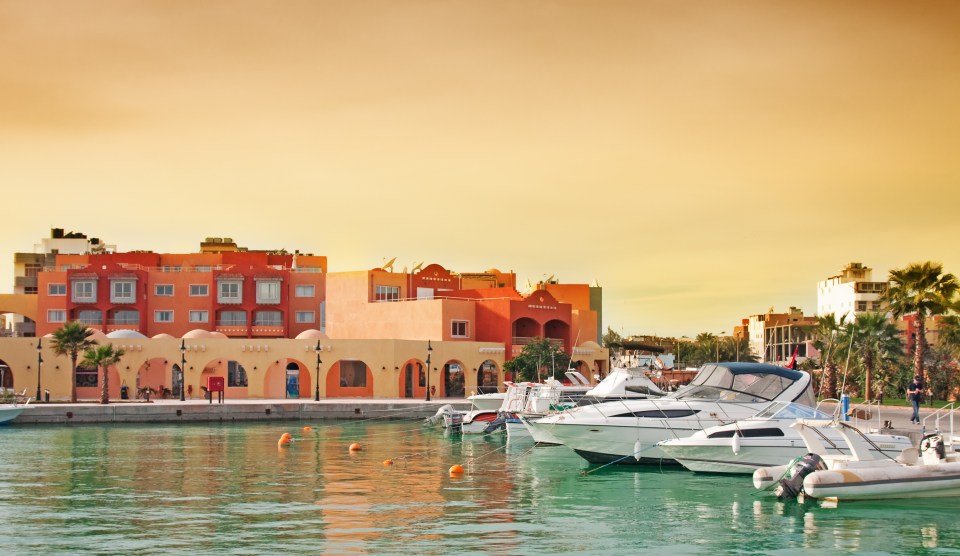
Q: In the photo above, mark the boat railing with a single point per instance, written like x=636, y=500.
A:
x=865, y=411
x=945, y=412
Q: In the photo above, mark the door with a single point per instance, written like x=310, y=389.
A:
x=293, y=381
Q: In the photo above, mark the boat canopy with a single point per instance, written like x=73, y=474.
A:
x=788, y=410
x=742, y=382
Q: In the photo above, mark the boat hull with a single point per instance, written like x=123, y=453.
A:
x=10, y=413
x=923, y=481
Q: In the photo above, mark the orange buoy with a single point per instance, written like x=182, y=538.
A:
x=456, y=469
x=284, y=441
x=387, y=462
x=355, y=447
x=307, y=429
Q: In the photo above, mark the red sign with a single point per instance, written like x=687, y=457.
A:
x=215, y=384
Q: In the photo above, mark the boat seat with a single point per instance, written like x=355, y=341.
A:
x=909, y=456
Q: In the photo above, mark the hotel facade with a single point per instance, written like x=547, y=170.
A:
x=272, y=324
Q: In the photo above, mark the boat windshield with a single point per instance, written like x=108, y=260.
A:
x=788, y=410
x=717, y=382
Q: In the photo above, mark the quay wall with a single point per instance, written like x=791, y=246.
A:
x=266, y=410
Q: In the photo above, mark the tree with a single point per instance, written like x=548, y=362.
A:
x=827, y=336
x=876, y=343
x=611, y=337
x=922, y=289
x=103, y=357
x=950, y=335
x=70, y=339
x=538, y=360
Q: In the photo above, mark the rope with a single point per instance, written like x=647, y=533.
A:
x=589, y=471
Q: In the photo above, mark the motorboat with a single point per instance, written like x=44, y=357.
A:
x=861, y=473
x=11, y=410
x=621, y=383
x=489, y=401
x=484, y=420
x=628, y=431
x=543, y=399
x=766, y=439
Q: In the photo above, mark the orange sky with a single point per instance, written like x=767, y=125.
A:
x=703, y=161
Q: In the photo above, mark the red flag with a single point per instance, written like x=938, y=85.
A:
x=793, y=360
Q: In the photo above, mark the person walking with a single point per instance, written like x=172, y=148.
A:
x=915, y=393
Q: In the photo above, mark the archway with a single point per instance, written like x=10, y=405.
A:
x=287, y=379
x=234, y=377
x=453, y=380
x=349, y=378
x=558, y=332
x=412, y=382
x=153, y=374
x=6, y=377
x=524, y=330
x=487, y=378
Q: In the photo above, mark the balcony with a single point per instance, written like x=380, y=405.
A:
x=29, y=258
x=25, y=282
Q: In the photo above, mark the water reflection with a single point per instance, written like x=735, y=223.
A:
x=230, y=489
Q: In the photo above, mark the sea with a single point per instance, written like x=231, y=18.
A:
x=233, y=489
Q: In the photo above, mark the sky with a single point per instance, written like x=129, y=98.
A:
x=701, y=161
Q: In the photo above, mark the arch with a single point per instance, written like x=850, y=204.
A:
x=235, y=376
x=20, y=304
x=6, y=376
x=558, y=331
x=153, y=374
x=90, y=316
x=123, y=319
x=523, y=330
x=89, y=381
x=453, y=380
x=349, y=378
x=412, y=382
x=488, y=377
x=275, y=380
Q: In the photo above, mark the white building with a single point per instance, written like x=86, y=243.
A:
x=851, y=292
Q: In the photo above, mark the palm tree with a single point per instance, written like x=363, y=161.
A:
x=876, y=340
x=103, y=357
x=950, y=335
x=923, y=289
x=828, y=335
x=70, y=339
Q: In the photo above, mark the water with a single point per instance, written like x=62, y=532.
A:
x=229, y=489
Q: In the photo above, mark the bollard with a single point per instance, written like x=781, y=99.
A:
x=845, y=406
x=46, y=396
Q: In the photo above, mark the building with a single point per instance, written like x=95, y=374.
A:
x=27, y=268
x=775, y=336
x=257, y=319
x=850, y=293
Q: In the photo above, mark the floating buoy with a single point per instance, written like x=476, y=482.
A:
x=307, y=429
x=355, y=447
x=456, y=469
x=387, y=462
x=284, y=441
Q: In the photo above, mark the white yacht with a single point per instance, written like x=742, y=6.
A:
x=767, y=439
x=628, y=431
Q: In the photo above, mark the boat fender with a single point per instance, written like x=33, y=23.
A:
x=636, y=450
x=791, y=486
x=735, y=443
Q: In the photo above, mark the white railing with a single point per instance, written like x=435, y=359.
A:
x=946, y=411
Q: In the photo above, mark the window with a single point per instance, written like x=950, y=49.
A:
x=199, y=316
x=31, y=270
x=386, y=293
x=125, y=317
x=85, y=291
x=306, y=290
x=230, y=292
x=163, y=316
x=306, y=316
x=268, y=291
x=199, y=290
x=236, y=375
x=90, y=316
x=163, y=290
x=56, y=289
x=861, y=305
x=353, y=374
x=268, y=318
x=122, y=291
x=30, y=289
x=86, y=376
x=458, y=329
x=54, y=315
x=232, y=318
x=202, y=268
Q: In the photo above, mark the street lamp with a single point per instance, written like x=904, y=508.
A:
x=429, y=351
x=316, y=391
x=718, y=345
x=39, y=361
x=183, y=366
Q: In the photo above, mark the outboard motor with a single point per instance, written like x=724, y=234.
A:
x=497, y=424
x=933, y=444
x=438, y=418
x=791, y=486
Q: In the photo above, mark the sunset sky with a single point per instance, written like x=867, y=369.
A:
x=701, y=160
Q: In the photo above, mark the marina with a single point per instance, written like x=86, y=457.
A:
x=226, y=488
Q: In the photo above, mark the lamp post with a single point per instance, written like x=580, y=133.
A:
x=718, y=345
x=183, y=367
x=39, y=361
x=429, y=351
x=316, y=388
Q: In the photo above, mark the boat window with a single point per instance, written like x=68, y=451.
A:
x=641, y=390
x=748, y=433
x=661, y=413
x=767, y=386
x=722, y=434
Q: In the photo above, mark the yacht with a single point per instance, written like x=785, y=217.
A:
x=765, y=440
x=628, y=431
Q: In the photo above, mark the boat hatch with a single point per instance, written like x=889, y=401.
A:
x=660, y=413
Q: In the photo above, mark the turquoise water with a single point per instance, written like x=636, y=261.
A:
x=229, y=489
